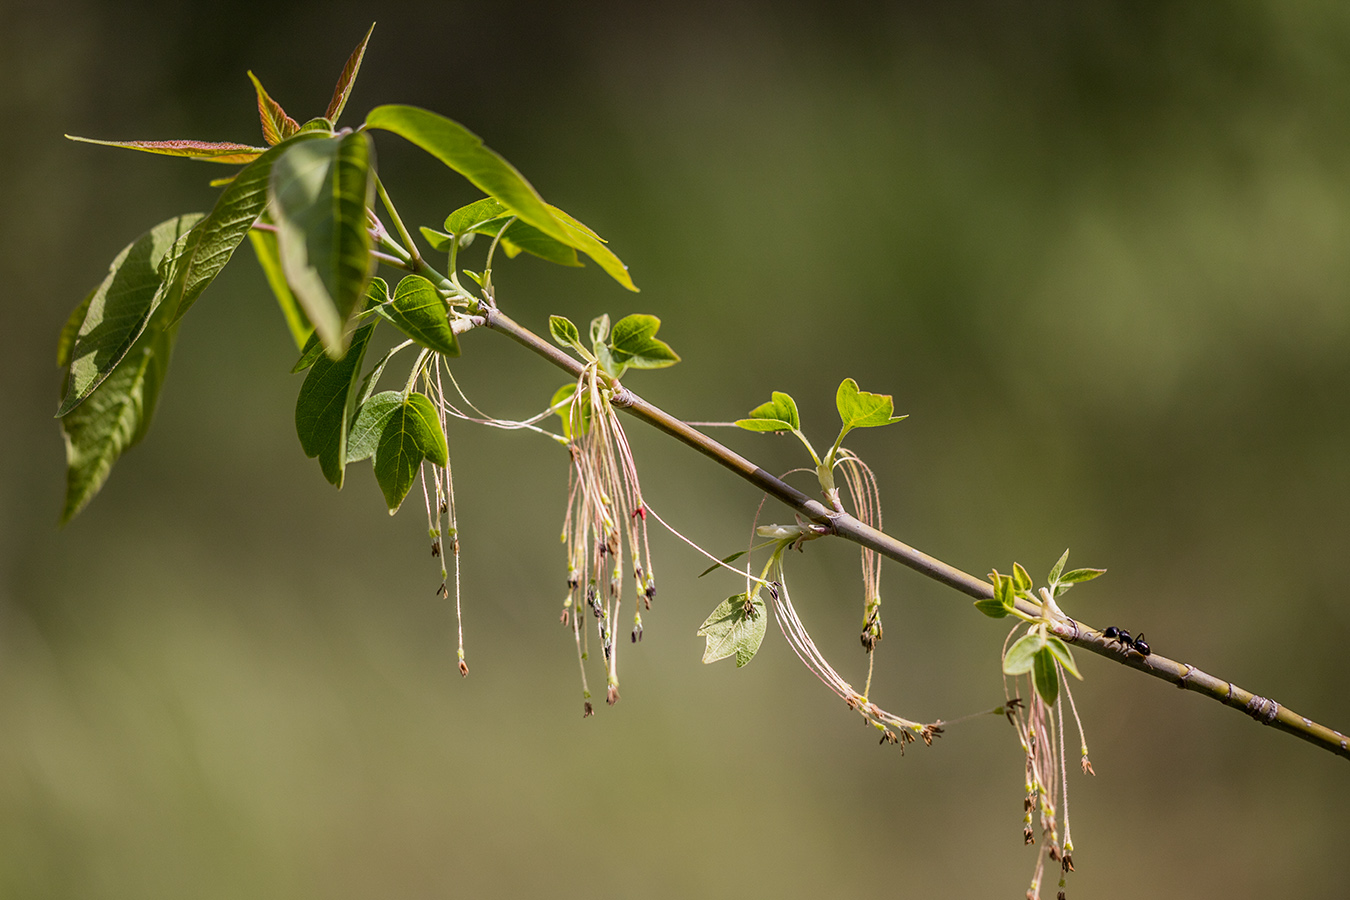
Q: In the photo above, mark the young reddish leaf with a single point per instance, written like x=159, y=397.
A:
x=276, y=125
x=211, y=151
x=347, y=78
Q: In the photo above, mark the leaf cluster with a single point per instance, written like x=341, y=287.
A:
x=306, y=199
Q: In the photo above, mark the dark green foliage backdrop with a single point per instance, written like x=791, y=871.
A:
x=1100, y=255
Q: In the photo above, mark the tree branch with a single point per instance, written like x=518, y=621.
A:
x=1183, y=675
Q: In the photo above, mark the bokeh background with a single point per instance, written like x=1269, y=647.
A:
x=1098, y=251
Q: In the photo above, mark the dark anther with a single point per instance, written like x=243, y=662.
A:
x=445, y=507
x=443, y=591
x=1027, y=836
x=612, y=696
x=463, y=669
x=436, y=548
x=588, y=710
x=1053, y=853
x=637, y=633
x=1067, y=862
x=565, y=615
x=1060, y=896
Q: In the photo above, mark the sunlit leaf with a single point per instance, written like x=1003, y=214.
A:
x=1077, y=576
x=466, y=218
x=517, y=235
x=564, y=333
x=265, y=248
x=561, y=403
x=992, y=607
x=1018, y=660
x=321, y=189
x=345, y=81
x=324, y=408
x=633, y=344
x=419, y=311
x=209, y=151
x=208, y=247
x=1021, y=578
x=779, y=414
x=276, y=125
x=735, y=627
x=862, y=409
x=1057, y=569
x=119, y=309
x=1060, y=651
x=590, y=243
x=464, y=151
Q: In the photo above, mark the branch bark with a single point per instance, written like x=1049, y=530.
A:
x=1183, y=675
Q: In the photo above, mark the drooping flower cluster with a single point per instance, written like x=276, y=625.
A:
x=606, y=522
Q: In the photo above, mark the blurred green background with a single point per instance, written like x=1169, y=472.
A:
x=1099, y=253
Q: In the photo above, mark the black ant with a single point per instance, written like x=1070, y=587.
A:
x=1126, y=641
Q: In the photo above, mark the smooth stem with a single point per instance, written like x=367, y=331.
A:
x=1183, y=675
x=408, y=243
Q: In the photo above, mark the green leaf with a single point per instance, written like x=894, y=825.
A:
x=633, y=344
x=119, y=309
x=1044, y=676
x=1005, y=590
x=320, y=190
x=565, y=394
x=861, y=409
x=992, y=607
x=463, y=151
x=419, y=311
x=1018, y=660
x=1060, y=651
x=1021, y=579
x=208, y=247
x=467, y=218
x=590, y=243
x=779, y=414
x=323, y=410
x=347, y=78
x=1058, y=569
x=439, y=241
x=564, y=333
x=600, y=329
x=371, y=416
x=520, y=235
x=276, y=125
x=732, y=629
x=265, y=248
x=209, y=151
x=726, y=560
x=115, y=416
x=1077, y=576
x=411, y=433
